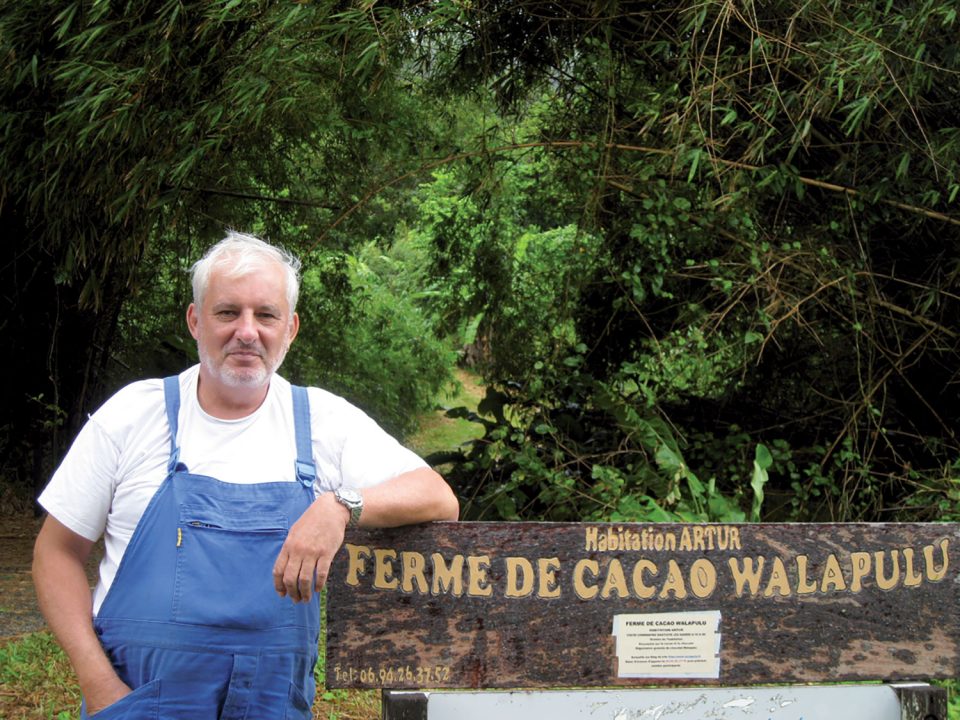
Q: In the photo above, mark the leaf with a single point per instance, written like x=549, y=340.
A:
x=903, y=167
x=694, y=164
x=762, y=462
x=857, y=112
x=667, y=459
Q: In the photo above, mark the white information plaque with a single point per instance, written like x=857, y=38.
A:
x=668, y=645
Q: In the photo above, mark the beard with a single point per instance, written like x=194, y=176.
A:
x=252, y=376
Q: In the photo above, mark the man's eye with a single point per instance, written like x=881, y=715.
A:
x=226, y=313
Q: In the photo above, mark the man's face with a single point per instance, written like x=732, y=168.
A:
x=244, y=327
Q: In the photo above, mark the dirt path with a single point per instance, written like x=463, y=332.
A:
x=18, y=604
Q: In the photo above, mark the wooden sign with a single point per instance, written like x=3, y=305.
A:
x=498, y=605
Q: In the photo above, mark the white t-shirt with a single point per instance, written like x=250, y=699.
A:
x=119, y=458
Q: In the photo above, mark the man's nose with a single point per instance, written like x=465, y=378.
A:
x=246, y=327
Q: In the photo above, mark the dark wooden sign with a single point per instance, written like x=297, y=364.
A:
x=496, y=605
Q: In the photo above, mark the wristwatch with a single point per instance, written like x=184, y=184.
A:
x=352, y=501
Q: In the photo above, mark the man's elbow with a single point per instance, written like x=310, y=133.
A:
x=450, y=507
x=446, y=506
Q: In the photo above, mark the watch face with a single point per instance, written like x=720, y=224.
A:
x=351, y=496
x=353, y=501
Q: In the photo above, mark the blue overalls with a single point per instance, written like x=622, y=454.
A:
x=192, y=621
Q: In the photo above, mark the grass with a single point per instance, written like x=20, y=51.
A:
x=37, y=683
x=36, y=680
x=437, y=432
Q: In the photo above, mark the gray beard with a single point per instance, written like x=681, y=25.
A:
x=249, y=378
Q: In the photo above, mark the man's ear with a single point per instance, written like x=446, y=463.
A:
x=294, y=329
x=192, y=320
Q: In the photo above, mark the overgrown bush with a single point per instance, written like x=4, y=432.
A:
x=364, y=337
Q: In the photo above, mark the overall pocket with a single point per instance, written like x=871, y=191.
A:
x=297, y=706
x=142, y=704
x=224, y=572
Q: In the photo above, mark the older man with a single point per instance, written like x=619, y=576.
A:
x=222, y=495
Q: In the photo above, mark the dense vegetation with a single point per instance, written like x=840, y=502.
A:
x=703, y=254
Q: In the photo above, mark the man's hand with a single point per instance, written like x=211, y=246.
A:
x=412, y=497
x=105, y=693
x=304, y=560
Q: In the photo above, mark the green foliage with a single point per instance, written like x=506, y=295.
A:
x=732, y=221
x=953, y=697
x=745, y=179
x=366, y=338
x=604, y=454
x=132, y=136
x=114, y=113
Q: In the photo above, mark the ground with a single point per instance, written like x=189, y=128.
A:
x=18, y=603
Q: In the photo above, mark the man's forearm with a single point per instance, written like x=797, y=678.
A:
x=413, y=497
x=63, y=594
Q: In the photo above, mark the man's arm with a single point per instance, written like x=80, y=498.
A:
x=63, y=594
x=413, y=497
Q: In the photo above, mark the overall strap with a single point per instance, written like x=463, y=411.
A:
x=171, y=395
x=305, y=468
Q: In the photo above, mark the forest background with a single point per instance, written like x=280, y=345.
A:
x=703, y=255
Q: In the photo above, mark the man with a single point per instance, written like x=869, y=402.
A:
x=222, y=495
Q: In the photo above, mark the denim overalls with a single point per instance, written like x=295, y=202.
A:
x=192, y=621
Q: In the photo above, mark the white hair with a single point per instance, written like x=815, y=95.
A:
x=239, y=254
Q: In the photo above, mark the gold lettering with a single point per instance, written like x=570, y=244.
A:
x=685, y=542
x=778, y=580
x=616, y=581
x=745, y=575
x=612, y=543
x=590, y=541
x=882, y=582
x=735, y=539
x=580, y=587
x=639, y=587
x=698, y=538
x=674, y=583
x=723, y=537
x=910, y=577
x=355, y=563
x=711, y=533
x=932, y=574
x=703, y=578
x=860, y=561
x=447, y=579
x=833, y=575
x=519, y=566
x=477, y=584
x=804, y=586
x=412, y=566
x=383, y=569
x=549, y=586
